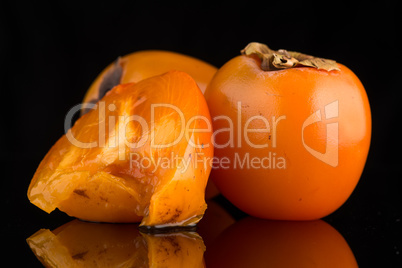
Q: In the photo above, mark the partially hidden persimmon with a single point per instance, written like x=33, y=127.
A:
x=294, y=131
x=137, y=156
x=144, y=64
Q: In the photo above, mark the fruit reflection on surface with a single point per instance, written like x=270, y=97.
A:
x=84, y=244
x=253, y=242
x=135, y=157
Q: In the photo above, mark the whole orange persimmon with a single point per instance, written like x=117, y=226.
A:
x=137, y=156
x=291, y=133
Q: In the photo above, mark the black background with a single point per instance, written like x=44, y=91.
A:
x=50, y=53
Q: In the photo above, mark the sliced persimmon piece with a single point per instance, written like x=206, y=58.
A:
x=140, y=154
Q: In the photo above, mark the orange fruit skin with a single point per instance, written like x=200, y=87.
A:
x=303, y=186
x=140, y=65
x=253, y=242
x=131, y=174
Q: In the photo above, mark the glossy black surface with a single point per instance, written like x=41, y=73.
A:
x=50, y=54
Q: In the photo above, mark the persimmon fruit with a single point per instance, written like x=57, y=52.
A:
x=140, y=65
x=137, y=156
x=295, y=129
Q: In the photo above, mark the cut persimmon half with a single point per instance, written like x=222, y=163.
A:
x=141, y=154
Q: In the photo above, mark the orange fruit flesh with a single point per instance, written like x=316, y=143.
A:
x=141, y=65
x=126, y=176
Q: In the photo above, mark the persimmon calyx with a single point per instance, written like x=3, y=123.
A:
x=272, y=60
